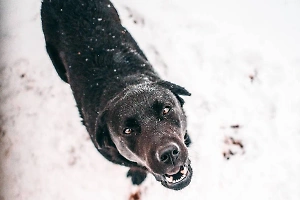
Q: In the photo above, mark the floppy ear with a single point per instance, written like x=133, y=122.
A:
x=176, y=89
x=106, y=146
x=102, y=134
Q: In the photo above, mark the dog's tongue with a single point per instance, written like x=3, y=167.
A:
x=173, y=171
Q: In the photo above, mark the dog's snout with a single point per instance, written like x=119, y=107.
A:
x=169, y=154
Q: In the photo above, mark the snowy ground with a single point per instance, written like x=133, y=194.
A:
x=239, y=59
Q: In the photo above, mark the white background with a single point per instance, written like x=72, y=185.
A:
x=210, y=47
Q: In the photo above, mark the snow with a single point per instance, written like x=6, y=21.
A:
x=239, y=59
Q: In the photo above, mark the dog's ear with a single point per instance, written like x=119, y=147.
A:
x=102, y=134
x=104, y=143
x=106, y=146
x=176, y=89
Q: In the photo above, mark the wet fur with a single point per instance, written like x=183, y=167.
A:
x=97, y=56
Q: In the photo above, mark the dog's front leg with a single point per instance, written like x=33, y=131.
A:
x=187, y=140
x=138, y=175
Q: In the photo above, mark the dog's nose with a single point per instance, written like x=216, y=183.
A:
x=169, y=154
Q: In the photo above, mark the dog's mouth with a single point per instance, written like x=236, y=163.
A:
x=179, y=180
x=177, y=177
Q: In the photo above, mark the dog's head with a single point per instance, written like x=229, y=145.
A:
x=147, y=125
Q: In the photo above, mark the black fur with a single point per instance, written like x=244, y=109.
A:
x=106, y=69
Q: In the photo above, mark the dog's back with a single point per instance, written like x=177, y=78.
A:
x=91, y=50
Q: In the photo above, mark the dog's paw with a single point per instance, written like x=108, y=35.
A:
x=232, y=147
x=137, y=175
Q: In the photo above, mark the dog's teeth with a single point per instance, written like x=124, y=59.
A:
x=178, y=180
x=170, y=179
x=184, y=171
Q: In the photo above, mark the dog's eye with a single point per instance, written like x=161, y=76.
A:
x=166, y=110
x=127, y=131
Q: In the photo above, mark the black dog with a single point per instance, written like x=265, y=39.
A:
x=133, y=117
